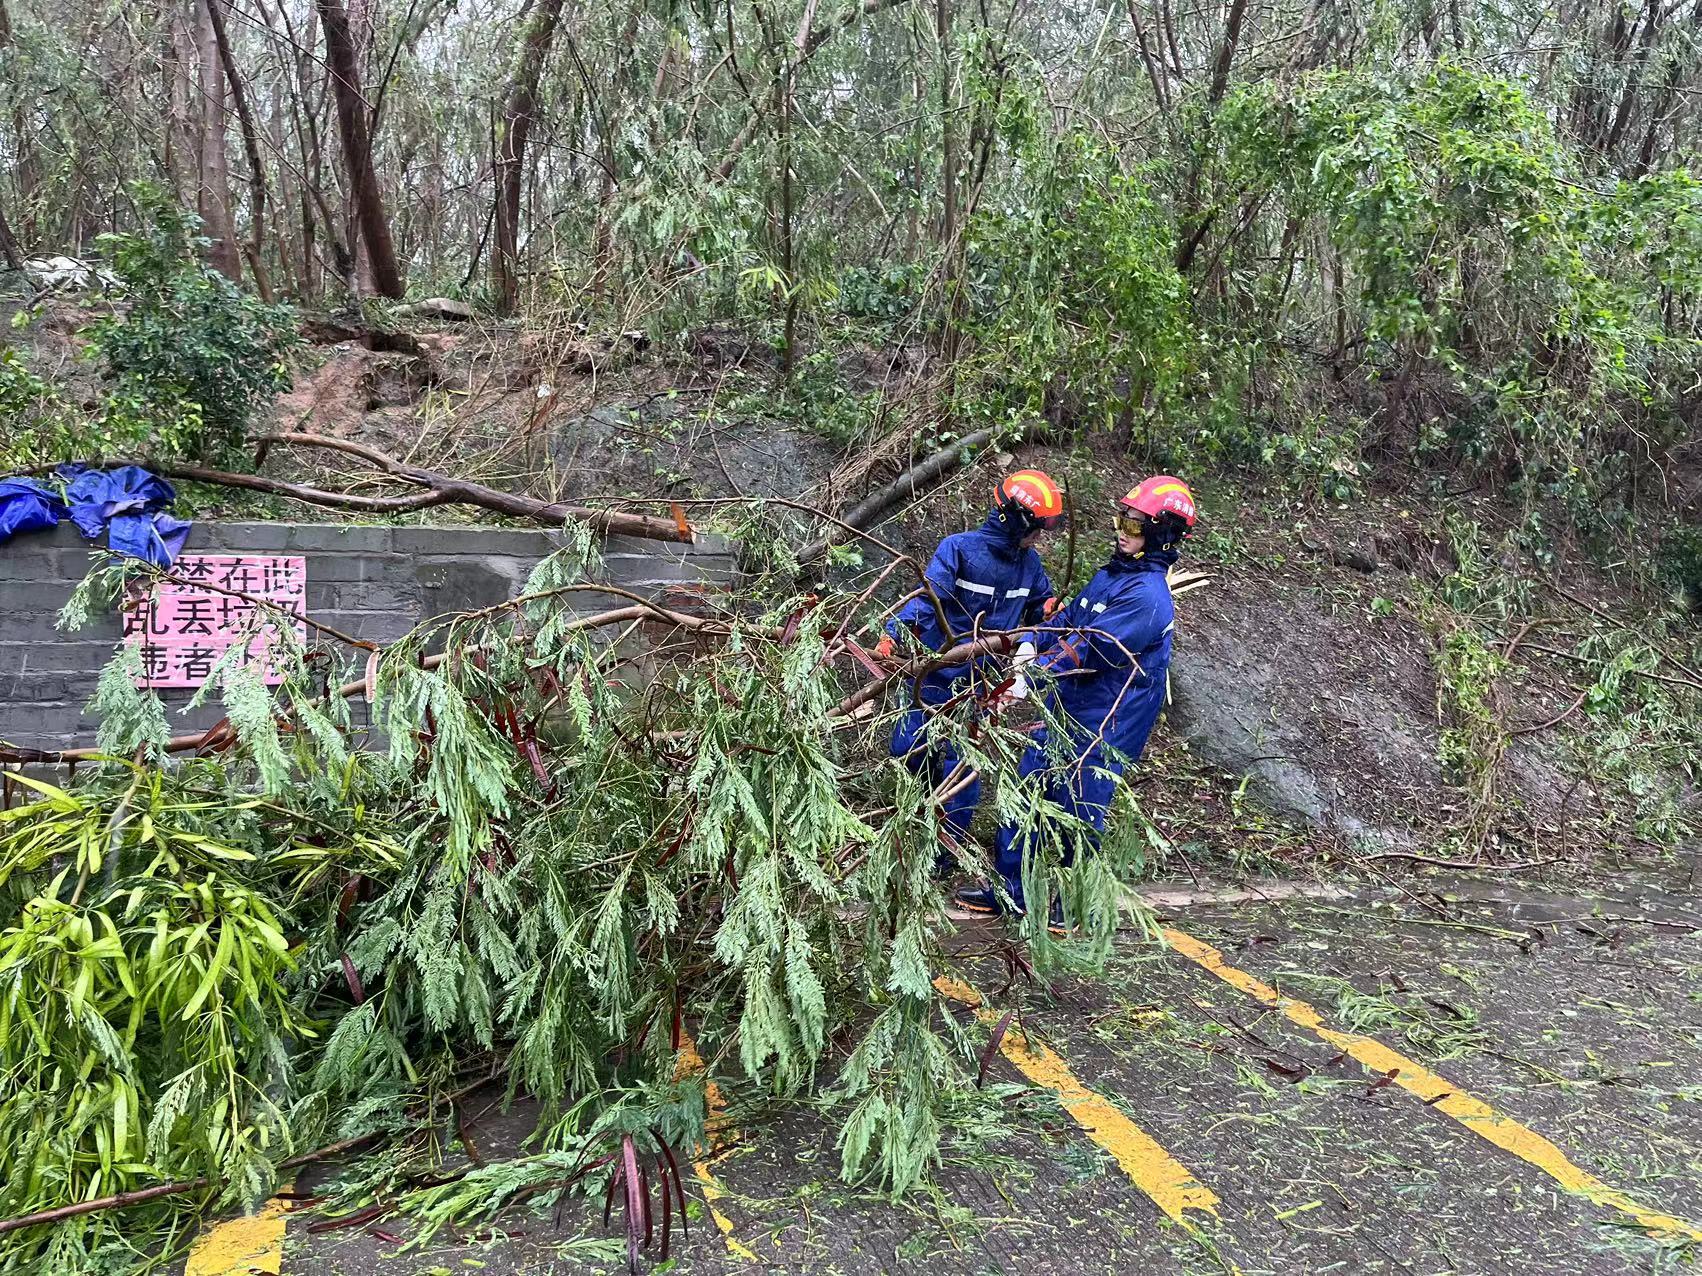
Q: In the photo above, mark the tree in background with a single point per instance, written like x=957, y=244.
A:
x=866, y=168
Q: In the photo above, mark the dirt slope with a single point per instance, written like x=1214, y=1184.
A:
x=1308, y=665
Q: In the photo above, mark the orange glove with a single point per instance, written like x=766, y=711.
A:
x=884, y=648
x=1049, y=608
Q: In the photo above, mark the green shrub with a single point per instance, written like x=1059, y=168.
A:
x=38, y=423
x=192, y=358
x=883, y=293
x=1679, y=563
x=1072, y=290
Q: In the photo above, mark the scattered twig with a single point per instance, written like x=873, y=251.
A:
x=1517, y=638
x=1558, y=718
x=371, y=1214
x=994, y=1041
x=1573, y=656
x=1462, y=864
x=117, y=1201
x=463, y=1128
x=123, y=1200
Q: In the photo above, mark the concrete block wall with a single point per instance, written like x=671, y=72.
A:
x=372, y=583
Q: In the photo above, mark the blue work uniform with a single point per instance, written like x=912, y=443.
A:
x=1104, y=705
x=986, y=581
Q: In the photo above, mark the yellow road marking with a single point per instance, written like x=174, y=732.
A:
x=713, y=1192
x=1161, y=1176
x=242, y=1246
x=1438, y=1092
x=717, y=1128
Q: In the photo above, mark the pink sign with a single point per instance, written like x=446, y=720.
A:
x=183, y=626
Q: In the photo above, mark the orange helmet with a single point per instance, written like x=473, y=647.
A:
x=1031, y=500
x=1161, y=494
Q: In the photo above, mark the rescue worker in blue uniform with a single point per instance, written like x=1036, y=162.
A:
x=1105, y=656
x=986, y=580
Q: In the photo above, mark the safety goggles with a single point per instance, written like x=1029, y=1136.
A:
x=1130, y=524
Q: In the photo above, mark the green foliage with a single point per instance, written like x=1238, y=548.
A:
x=130, y=719
x=1643, y=725
x=1473, y=737
x=884, y=294
x=1480, y=256
x=188, y=359
x=1645, y=736
x=1678, y=561
x=143, y=1013
x=297, y=942
x=191, y=356
x=815, y=397
x=1072, y=291
x=1297, y=447
x=1470, y=714
x=1433, y=1029
x=39, y=424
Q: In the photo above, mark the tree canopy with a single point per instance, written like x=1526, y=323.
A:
x=1270, y=231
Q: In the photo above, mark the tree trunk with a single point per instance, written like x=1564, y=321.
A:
x=182, y=162
x=1160, y=90
x=948, y=182
x=357, y=150
x=788, y=256
x=251, y=147
x=1658, y=116
x=817, y=37
x=608, y=125
x=786, y=88
x=509, y=162
x=292, y=280
x=171, y=99
x=24, y=160
x=314, y=210
x=918, y=143
x=212, y=200
x=1590, y=115
x=1633, y=80
x=9, y=251
x=1197, y=221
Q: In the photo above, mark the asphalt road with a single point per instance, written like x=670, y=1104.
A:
x=1466, y=1079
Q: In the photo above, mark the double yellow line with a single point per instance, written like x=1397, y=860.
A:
x=715, y=1127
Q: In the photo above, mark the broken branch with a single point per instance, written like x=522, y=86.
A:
x=447, y=488
x=910, y=484
x=350, y=690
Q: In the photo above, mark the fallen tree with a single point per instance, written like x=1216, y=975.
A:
x=549, y=862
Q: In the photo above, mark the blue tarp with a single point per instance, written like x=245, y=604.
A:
x=127, y=503
x=27, y=506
